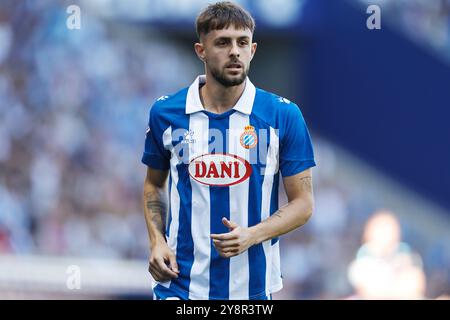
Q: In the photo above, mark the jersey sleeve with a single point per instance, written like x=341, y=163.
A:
x=155, y=154
x=296, y=150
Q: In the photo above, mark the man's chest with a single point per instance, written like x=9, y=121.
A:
x=223, y=152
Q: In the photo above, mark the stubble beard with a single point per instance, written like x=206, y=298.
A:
x=225, y=80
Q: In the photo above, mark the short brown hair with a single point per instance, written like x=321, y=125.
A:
x=221, y=15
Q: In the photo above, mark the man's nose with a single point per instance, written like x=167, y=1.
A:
x=234, y=51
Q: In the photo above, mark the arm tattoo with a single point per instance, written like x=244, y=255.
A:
x=156, y=210
x=306, y=183
x=278, y=213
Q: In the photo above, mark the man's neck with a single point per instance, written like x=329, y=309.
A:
x=219, y=99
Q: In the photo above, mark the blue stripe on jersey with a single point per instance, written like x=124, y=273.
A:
x=274, y=199
x=219, y=272
x=185, y=243
x=256, y=256
x=162, y=293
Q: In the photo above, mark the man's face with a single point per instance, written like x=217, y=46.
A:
x=227, y=54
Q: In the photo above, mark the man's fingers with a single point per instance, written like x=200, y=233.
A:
x=173, y=264
x=230, y=250
x=229, y=224
x=158, y=276
x=226, y=244
x=227, y=251
x=153, y=266
x=155, y=273
x=164, y=269
x=160, y=271
x=228, y=254
x=224, y=236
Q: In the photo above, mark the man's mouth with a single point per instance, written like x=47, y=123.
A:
x=234, y=66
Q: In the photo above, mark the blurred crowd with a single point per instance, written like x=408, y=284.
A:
x=73, y=116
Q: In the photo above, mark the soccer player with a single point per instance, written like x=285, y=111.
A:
x=225, y=145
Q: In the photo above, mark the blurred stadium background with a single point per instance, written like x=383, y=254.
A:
x=73, y=115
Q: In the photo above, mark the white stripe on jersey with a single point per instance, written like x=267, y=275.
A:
x=270, y=170
x=201, y=215
x=239, y=265
x=276, y=283
x=174, y=197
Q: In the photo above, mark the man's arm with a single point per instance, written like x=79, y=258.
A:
x=293, y=215
x=163, y=265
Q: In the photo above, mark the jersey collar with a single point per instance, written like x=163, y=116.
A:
x=244, y=104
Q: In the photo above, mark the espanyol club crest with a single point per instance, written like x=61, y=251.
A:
x=249, y=139
x=219, y=169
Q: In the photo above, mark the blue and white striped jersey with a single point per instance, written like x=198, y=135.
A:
x=224, y=165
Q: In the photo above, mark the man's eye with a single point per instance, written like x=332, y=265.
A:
x=244, y=43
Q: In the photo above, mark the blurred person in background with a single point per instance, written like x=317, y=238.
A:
x=222, y=239
x=385, y=267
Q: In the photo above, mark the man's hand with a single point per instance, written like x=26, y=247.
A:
x=163, y=264
x=234, y=242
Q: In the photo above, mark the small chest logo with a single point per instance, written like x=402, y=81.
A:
x=188, y=137
x=249, y=139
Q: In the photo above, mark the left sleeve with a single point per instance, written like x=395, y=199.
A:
x=155, y=155
x=296, y=150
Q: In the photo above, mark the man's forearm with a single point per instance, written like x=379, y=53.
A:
x=292, y=216
x=155, y=208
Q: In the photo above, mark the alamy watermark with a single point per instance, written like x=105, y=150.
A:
x=374, y=20
x=73, y=281
x=73, y=21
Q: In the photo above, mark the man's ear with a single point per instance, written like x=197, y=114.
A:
x=253, y=50
x=200, y=51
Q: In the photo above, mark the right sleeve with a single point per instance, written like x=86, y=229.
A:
x=155, y=154
x=296, y=150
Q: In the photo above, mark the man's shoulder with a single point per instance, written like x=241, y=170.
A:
x=170, y=103
x=273, y=100
x=273, y=106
